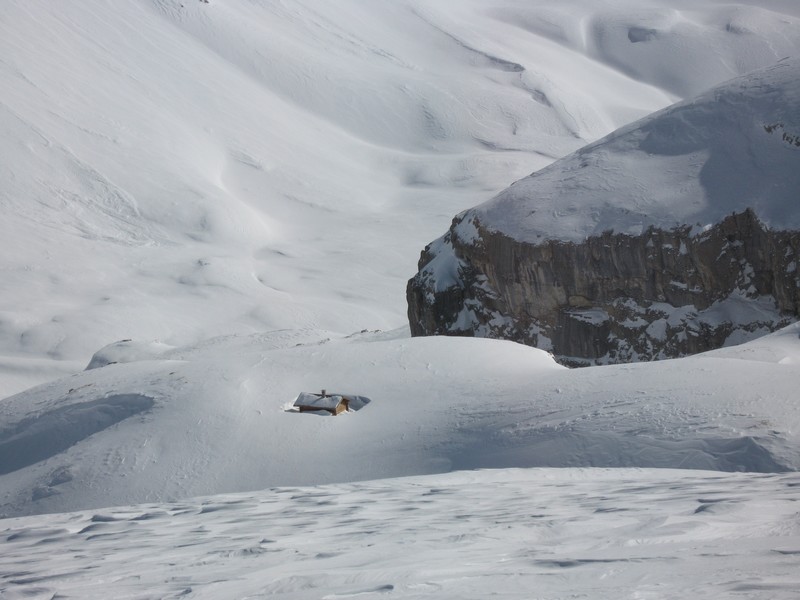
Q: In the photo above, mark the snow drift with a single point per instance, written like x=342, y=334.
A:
x=214, y=417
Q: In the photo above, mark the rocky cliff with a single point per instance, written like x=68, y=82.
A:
x=677, y=234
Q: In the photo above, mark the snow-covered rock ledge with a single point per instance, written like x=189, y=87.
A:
x=674, y=235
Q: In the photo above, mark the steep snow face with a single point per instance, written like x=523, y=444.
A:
x=733, y=148
x=177, y=170
x=219, y=417
x=564, y=533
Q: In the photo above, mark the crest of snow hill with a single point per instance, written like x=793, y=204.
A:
x=676, y=234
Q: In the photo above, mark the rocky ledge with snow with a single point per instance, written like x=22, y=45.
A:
x=676, y=234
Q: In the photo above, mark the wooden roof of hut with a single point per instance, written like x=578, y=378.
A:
x=332, y=403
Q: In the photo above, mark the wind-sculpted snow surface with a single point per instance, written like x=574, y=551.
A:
x=220, y=418
x=568, y=533
x=178, y=170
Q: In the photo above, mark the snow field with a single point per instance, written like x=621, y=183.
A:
x=543, y=533
x=217, y=417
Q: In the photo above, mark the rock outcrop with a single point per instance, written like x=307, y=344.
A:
x=616, y=297
x=674, y=235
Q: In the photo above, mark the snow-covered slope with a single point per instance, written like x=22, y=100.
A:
x=177, y=170
x=215, y=417
x=733, y=148
x=564, y=533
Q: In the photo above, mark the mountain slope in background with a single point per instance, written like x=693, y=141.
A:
x=181, y=170
x=675, y=234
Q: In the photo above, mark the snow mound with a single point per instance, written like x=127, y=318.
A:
x=734, y=147
x=126, y=351
x=780, y=347
x=212, y=418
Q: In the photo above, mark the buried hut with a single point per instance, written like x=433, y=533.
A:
x=332, y=403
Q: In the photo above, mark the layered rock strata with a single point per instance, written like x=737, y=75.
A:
x=615, y=297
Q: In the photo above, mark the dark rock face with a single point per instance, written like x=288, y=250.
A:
x=612, y=298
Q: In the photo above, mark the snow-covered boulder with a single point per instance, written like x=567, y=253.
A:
x=676, y=234
x=125, y=351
